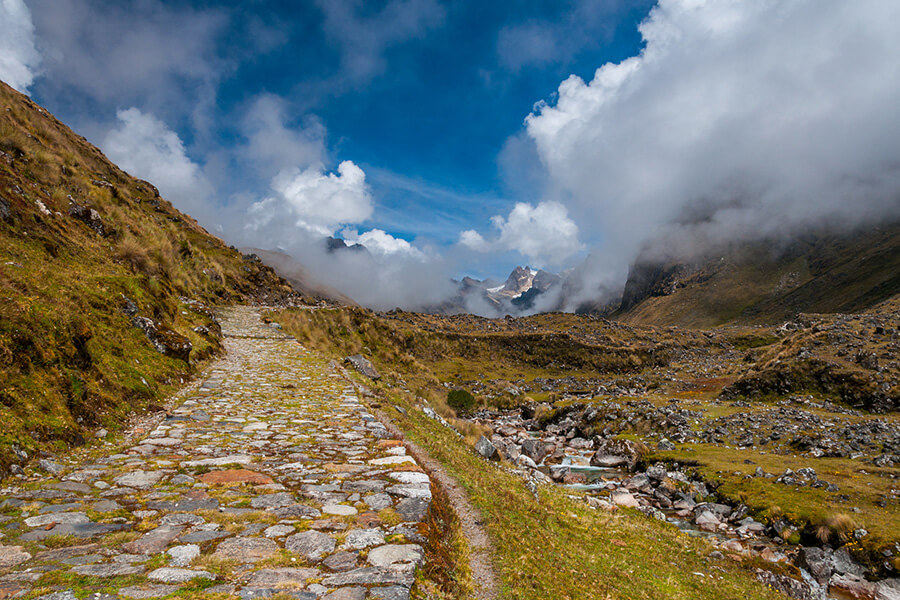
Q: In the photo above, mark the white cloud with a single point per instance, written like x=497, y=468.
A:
x=474, y=240
x=19, y=58
x=315, y=201
x=146, y=53
x=744, y=117
x=273, y=146
x=382, y=244
x=145, y=147
x=543, y=233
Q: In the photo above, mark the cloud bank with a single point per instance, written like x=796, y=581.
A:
x=738, y=119
x=19, y=58
x=145, y=147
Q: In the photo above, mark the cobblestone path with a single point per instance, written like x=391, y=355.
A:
x=270, y=478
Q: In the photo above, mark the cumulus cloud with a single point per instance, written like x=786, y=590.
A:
x=381, y=243
x=145, y=147
x=738, y=119
x=315, y=201
x=19, y=58
x=544, y=233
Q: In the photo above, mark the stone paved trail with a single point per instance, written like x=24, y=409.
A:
x=270, y=477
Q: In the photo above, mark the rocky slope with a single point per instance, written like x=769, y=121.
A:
x=105, y=288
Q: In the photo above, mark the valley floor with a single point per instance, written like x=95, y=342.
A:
x=270, y=477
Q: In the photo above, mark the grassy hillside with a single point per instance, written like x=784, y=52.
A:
x=88, y=252
x=768, y=282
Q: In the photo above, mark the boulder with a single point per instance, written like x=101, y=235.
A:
x=165, y=340
x=534, y=449
x=623, y=498
x=486, y=448
x=362, y=364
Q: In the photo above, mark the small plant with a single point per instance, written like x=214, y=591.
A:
x=461, y=401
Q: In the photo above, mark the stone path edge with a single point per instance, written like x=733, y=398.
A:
x=480, y=547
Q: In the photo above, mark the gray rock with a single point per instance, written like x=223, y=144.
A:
x=392, y=555
x=295, y=511
x=412, y=509
x=393, y=592
x=139, y=479
x=363, y=538
x=65, y=595
x=311, y=545
x=370, y=576
x=183, y=556
x=277, y=531
x=105, y=506
x=347, y=593
x=182, y=519
x=281, y=578
x=534, y=449
x=70, y=518
x=378, y=501
x=83, y=530
x=108, y=570
x=51, y=467
x=362, y=364
x=146, y=592
x=201, y=537
x=341, y=561
x=486, y=448
x=173, y=575
x=184, y=505
x=279, y=500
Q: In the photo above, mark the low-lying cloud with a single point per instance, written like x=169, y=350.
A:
x=738, y=119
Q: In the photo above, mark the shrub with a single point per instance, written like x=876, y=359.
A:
x=461, y=401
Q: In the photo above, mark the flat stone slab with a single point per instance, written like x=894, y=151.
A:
x=150, y=591
x=279, y=500
x=282, y=578
x=11, y=556
x=392, y=555
x=370, y=576
x=154, y=541
x=311, y=545
x=173, y=575
x=139, y=479
x=232, y=459
x=235, y=477
x=246, y=549
x=108, y=570
x=50, y=518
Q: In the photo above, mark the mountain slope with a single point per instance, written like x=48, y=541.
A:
x=104, y=287
x=287, y=266
x=767, y=282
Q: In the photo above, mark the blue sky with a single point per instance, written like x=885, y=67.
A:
x=422, y=95
x=466, y=137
